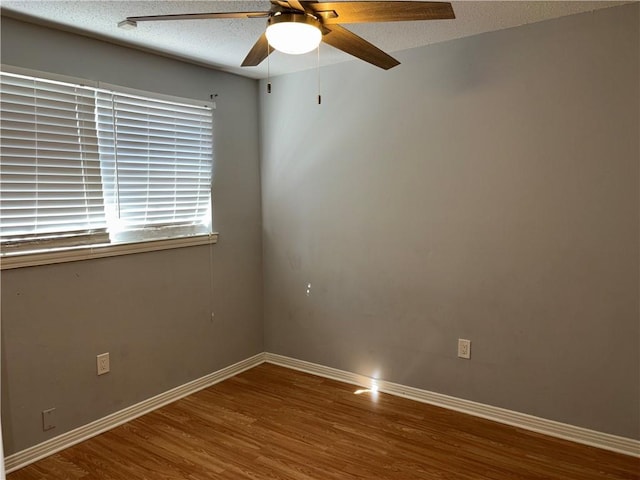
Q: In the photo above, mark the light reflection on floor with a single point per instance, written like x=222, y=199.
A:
x=373, y=390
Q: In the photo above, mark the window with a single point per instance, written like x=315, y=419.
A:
x=87, y=166
x=156, y=162
x=50, y=179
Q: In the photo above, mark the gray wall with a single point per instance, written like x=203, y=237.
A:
x=151, y=310
x=486, y=189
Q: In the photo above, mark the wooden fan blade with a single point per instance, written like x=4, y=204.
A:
x=359, y=12
x=258, y=52
x=295, y=4
x=199, y=16
x=342, y=39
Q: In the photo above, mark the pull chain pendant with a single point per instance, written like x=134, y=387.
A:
x=319, y=95
x=268, y=68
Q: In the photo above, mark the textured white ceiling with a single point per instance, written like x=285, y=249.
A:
x=224, y=43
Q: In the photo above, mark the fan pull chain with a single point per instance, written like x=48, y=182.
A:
x=319, y=96
x=268, y=68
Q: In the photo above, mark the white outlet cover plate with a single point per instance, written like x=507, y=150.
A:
x=103, y=363
x=464, y=348
x=48, y=419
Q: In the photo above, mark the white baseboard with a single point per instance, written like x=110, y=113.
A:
x=65, y=440
x=585, y=436
x=552, y=428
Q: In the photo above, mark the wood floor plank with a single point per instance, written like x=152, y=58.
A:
x=275, y=423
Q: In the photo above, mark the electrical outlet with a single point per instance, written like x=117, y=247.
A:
x=464, y=348
x=103, y=363
x=48, y=419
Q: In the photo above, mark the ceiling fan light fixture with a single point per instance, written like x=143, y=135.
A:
x=294, y=33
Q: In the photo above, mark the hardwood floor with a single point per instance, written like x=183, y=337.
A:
x=274, y=423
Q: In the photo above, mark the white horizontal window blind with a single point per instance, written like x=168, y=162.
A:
x=50, y=182
x=156, y=161
x=80, y=166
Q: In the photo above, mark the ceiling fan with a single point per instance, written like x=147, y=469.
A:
x=298, y=26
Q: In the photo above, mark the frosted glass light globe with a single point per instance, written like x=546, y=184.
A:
x=294, y=33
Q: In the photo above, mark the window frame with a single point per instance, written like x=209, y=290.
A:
x=62, y=254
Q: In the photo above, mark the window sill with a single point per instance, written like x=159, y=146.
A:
x=101, y=251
